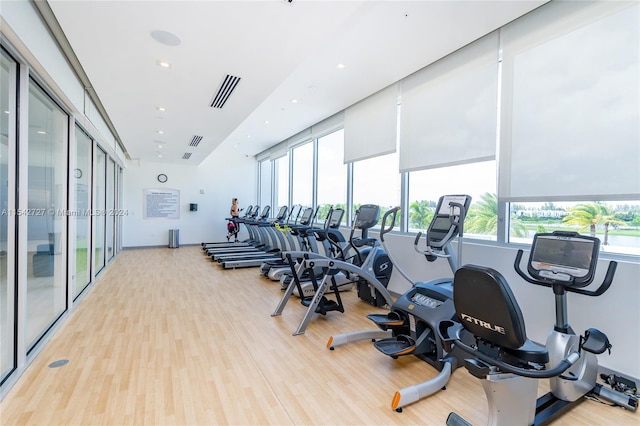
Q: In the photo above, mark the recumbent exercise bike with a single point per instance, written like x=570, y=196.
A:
x=509, y=363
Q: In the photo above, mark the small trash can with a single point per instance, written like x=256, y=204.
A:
x=174, y=238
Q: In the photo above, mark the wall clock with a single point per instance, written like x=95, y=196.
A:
x=162, y=178
x=77, y=173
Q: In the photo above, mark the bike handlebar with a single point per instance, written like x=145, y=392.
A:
x=383, y=228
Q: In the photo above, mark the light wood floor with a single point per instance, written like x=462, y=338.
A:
x=167, y=337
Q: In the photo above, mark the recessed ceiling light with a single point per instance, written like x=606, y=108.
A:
x=160, y=146
x=161, y=132
x=294, y=101
x=41, y=132
x=164, y=64
x=159, y=155
x=165, y=37
x=266, y=121
x=162, y=109
x=340, y=66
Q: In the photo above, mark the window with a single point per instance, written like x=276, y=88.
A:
x=615, y=223
x=100, y=220
x=377, y=181
x=281, y=177
x=475, y=179
x=111, y=205
x=8, y=78
x=81, y=184
x=332, y=174
x=302, y=175
x=46, y=193
x=265, y=183
x=570, y=123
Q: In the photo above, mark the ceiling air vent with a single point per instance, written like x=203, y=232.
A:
x=195, y=140
x=225, y=90
x=186, y=156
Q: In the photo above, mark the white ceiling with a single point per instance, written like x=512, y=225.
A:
x=280, y=50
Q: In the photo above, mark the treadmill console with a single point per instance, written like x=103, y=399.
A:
x=305, y=219
x=282, y=213
x=565, y=257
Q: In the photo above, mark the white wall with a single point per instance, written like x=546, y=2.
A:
x=24, y=29
x=225, y=174
x=615, y=313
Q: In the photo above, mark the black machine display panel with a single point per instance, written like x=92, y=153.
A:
x=367, y=216
x=442, y=228
x=335, y=218
x=564, y=256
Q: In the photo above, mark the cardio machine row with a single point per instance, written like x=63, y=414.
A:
x=473, y=320
x=267, y=237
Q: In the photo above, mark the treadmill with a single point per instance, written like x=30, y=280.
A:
x=246, y=260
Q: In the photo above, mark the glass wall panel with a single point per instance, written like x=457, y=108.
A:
x=377, y=181
x=81, y=185
x=46, y=226
x=282, y=180
x=100, y=202
x=265, y=183
x=475, y=179
x=109, y=213
x=7, y=296
x=121, y=212
x=302, y=182
x=332, y=174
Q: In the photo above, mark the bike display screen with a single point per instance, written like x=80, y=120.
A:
x=562, y=257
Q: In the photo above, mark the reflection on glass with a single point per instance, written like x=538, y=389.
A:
x=100, y=220
x=302, y=182
x=332, y=174
x=7, y=297
x=377, y=181
x=475, y=179
x=46, y=224
x=82, y=188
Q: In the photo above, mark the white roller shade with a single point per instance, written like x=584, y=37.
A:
x=328, y=125
x=449, y=109
x=299, y=137
x=571, y=114
x=370, y=126
x=278, y=151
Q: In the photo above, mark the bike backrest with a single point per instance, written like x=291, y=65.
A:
x=487, y=308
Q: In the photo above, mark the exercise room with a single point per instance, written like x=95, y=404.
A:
x=319, y=212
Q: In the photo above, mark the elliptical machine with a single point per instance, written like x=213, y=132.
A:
x=371, y=275
x=507, y=360
x=410, y=328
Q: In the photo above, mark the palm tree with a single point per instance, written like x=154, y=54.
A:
x=420, y=214
x=589, y=216
x=483, y=218
x=483, y=215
